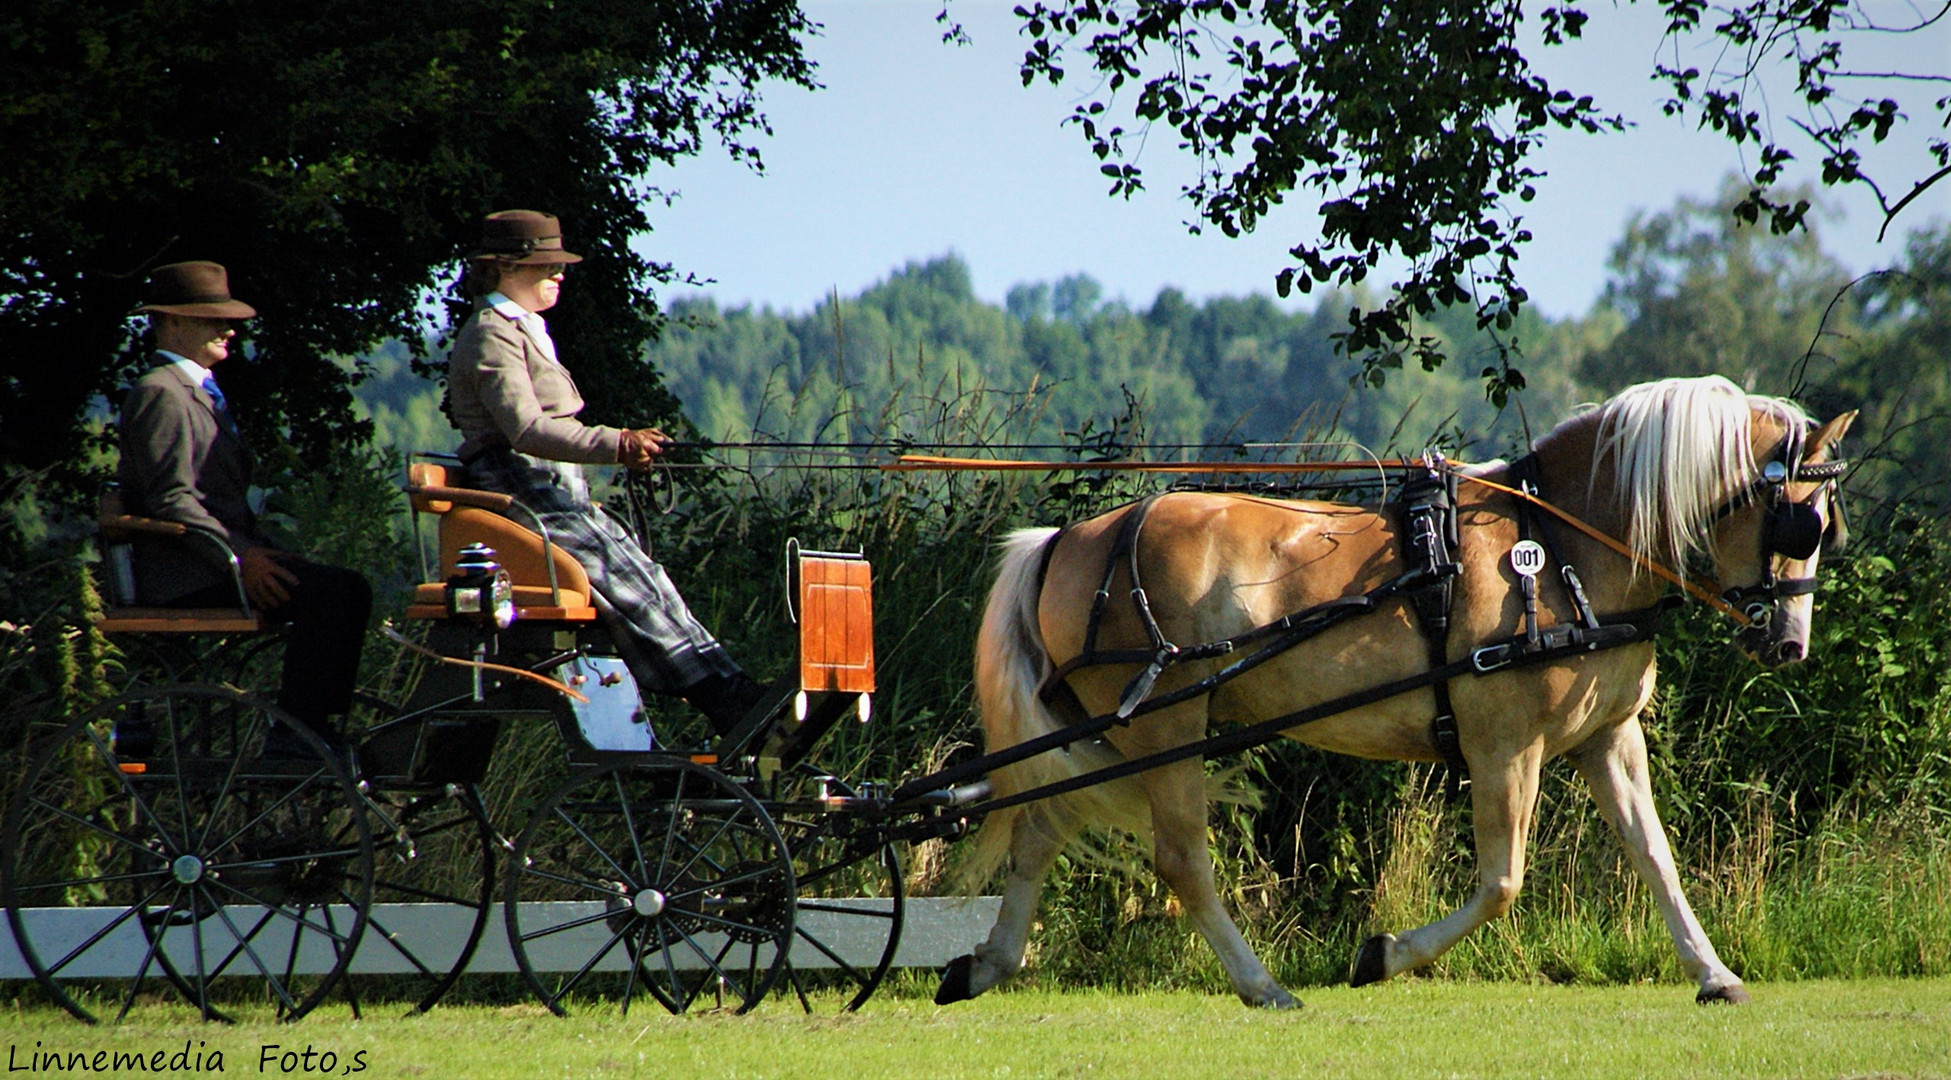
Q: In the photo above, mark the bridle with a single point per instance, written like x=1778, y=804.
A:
x=1791, y=529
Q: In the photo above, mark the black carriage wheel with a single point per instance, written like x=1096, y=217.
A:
x=437, y=851
x=664, y=879
x=186, y=834
x=432, y=846
x=851, y=896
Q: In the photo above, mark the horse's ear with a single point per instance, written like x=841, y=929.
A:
x=1823, y=441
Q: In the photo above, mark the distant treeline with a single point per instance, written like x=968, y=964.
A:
x=1688, y=293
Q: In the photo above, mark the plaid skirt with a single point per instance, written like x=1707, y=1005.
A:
x=666, y=648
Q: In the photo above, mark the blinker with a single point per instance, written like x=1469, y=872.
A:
x=1794, y=530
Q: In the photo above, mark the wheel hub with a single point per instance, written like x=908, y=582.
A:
x=648, y=904
x=187, y=869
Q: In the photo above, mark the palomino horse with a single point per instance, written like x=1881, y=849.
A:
x=1673, y=468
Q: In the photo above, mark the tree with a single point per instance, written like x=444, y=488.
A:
x=1702, y=294
x=337, y=156
x=1412, y=122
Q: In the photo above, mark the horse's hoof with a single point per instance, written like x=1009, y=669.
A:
x=1372, y=963
x=1279, y=999
x=955, y=981
x=1735, y=994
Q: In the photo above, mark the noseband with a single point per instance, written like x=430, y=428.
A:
x=1790, y=530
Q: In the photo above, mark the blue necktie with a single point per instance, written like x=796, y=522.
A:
x=223, y=407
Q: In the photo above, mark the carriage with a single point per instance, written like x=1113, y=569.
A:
x=186, y=833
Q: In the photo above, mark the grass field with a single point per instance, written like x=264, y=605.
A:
x=1421, y=1028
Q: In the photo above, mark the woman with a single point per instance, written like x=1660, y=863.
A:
x=516, y=405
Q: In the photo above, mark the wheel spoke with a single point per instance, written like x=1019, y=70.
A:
x=281, y=860
x=749, y=875
x=570, y=925
x=715, y=963
x=277, y=910
x=839, y=961
x=275, y=806
x=816, y=905
x=630, y=983
x=235, y=951
x=99, y=828
x=670, y=832
x=392, y=940
x=600, y=889
x=257, y=961
x=630, y=829
x=668, y=1000
x=196, y=940
x=699, y=850
x=148, y=956
x=412, y=890
x=68, y=883
x=593, y=845
x=127, y=782
x=733, y=924
x=799, y=988
x=176, y=758
x=223, y=793
x=106, y=930
x=587, y=967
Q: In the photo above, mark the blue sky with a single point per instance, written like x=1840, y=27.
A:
x=915, y=148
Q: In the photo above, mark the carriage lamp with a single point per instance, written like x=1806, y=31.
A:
x=480, y=588
x=134, y=735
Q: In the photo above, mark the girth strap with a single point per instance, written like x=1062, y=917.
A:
x=1429, y=543
x=1124, y=547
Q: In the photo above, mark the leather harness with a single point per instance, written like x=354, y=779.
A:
x=1430, y=542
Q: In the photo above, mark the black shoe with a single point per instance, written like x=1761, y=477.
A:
x=726, y=700
x=281, y=743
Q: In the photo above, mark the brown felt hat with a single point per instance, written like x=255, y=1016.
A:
x=523, y=236
x=197, y=288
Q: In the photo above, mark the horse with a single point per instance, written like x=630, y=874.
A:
x=1661, y=472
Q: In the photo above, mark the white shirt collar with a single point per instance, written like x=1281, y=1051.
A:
x=197, y=372
x=531, y=322
x=509, y=309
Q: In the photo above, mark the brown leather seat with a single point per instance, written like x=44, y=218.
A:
x=468, y=516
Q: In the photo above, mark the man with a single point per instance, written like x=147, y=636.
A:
x=183, y=460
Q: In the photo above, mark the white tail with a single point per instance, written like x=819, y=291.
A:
x=1010, y=664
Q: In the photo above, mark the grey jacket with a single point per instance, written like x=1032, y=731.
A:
x=504, y=390
x=180, y=463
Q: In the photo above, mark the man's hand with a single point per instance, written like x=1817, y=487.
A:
x=639, y=448
x=267, y=582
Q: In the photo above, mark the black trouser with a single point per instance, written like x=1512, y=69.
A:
x=328, y=610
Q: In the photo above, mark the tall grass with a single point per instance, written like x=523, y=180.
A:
x=1809, y=809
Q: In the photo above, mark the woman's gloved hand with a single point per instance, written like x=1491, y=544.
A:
x=639, y=448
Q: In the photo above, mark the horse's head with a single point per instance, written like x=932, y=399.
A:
x=1698, y=466
x=1770, y=534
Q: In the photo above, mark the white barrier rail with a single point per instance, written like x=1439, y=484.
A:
x=935, y=930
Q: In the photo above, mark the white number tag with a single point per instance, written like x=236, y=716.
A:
x=1528, y=557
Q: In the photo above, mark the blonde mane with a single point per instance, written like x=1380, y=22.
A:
x=1679, y=448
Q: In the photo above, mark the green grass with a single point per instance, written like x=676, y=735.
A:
x=1882, y=1027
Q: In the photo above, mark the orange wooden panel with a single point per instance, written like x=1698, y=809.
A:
x=836, y=625
x=531, y=613
x=177, y=621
